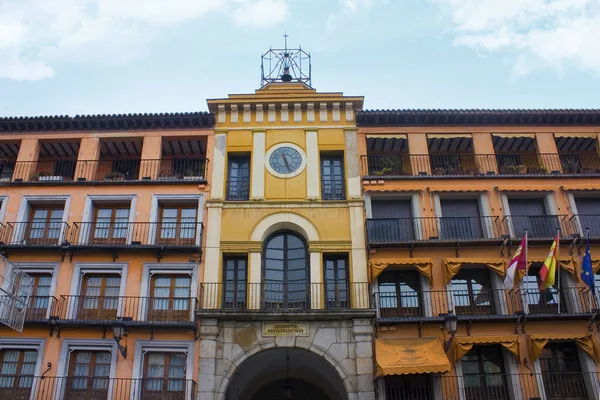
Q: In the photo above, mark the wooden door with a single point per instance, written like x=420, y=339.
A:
x=88, y=377
x=99, y=300
x=39, y=288
x=17, y=368
x=44, y=225
x=110, y=224
x=177, y=225
x=164, y=376
x=170, y=298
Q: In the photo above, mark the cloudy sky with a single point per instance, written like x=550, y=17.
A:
x=124, y=56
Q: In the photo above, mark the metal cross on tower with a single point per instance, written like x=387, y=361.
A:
x=285, y=65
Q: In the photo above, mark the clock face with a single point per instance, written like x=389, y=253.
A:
x=285, y=160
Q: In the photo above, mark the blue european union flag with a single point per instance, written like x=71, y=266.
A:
x=587, y=275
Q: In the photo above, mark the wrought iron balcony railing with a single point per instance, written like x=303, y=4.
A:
x=482, y=303
x=95, y=388
x=538, y=226
x=238, y=190
x=401, y=165
x=59, y=171
x=136, y=234
x=281, y=297
x=408, y=230
x=106, y=309
x=34, y=234
x=41, y=308
x=583, y=224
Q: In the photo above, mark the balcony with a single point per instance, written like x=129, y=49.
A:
x=97, y=388
x=403, y=166
x=389, y=231
x=108, y=171
x=143, y=311
x=238, y=190
x=424, y=305
x=40, y=308
x=279, y=298
x=136, y=235
x=586, y=223
x=542, y=227
x=29, y=235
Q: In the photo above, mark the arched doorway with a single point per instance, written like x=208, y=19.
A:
x=263, y=376
x=285, y=269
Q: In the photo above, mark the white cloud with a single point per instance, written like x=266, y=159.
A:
x=355, y=5
x=347, y=9
x=535, y=33
x=36, y=35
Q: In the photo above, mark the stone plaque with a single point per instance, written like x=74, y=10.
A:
x=285, y=329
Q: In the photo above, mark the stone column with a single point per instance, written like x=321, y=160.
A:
x=151, y=158
x=26, y=165
x=312, y=165
x=359, y=278
x=316, y=280
x=365, y=371
x=212, y=260
x=209, y=331
x=258, y=166
x=88, y=158
x=218, y=166
x=419, y=153
x=254, y=279
x=485, y=157
x=352, y=164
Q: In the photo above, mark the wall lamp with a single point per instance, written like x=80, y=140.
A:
x=450, y=323
x=120, y=331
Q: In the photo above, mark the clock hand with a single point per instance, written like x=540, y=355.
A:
x=286, y=163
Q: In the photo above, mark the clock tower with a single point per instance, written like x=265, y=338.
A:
x=285, y=248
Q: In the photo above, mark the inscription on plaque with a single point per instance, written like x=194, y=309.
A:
x=285, y=329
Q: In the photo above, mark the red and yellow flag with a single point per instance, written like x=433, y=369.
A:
x=548, y=270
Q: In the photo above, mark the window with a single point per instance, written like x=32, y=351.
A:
x=472, y=292
x=285, y=271
x=540, y=302
x=337, y=287
x=164, y=376
x=588, y=213
x=460, y=220
x=483, y=374
x=238, y=177
x=408, y=387
x=177, y=225
x=170, y=298
x=392, y=221
x=235, y=271
x=99, y=298
x=561, y=372
x=45, y=223
x=531, y=214
x=17, y=369
x=111, y=224
x=39, y=288
x=332, y=177
x=89, y=373
x=400, y=294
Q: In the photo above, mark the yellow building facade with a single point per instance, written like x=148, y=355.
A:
x=286, y=296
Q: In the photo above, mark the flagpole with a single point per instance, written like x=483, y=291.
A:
x=587, y=245
x=557, y=264
x=526, y=271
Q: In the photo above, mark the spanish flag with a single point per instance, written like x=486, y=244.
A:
x=548, y=270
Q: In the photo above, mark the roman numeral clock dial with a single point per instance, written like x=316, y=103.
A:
x=285, y=160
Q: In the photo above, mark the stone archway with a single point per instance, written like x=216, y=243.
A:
x=263, y=375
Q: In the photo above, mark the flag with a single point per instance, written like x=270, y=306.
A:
x=519, y=262
x=548, y=270
x=587, y=273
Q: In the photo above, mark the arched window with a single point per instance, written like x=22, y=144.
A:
x=286, y=282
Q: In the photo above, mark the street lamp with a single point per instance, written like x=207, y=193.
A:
x=119, y=331
x=450, y=321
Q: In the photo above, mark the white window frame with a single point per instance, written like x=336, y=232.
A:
x=546, y=196
x=169, y=346
x=572, y=197
x=4, y=200
x=70, y=345
x=81, y=269
x=150, y=269
x=414, y=201
x=41, y=268
x=482, y=201
x=28, y=344
x=155, y=209
x=91, y=201
x=25, y=206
